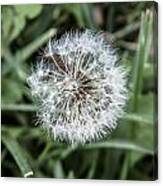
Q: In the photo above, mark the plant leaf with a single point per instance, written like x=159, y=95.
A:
x=18, y=154
x=120, y=144
x=28, y=50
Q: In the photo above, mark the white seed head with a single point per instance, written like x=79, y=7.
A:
x=80, y=88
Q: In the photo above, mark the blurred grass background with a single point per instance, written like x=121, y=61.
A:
x=131, y=151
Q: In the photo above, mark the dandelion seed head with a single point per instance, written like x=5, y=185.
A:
x=79, y=87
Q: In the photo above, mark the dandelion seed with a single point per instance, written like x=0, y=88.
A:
x=80, y=88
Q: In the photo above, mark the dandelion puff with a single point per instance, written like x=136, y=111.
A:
x=79, y=87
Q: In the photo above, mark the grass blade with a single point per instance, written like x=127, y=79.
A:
x=120, y=144
x=20, y=107
x=18, y=154
x=33, y=46
x=142, y=55
x=87, y=11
